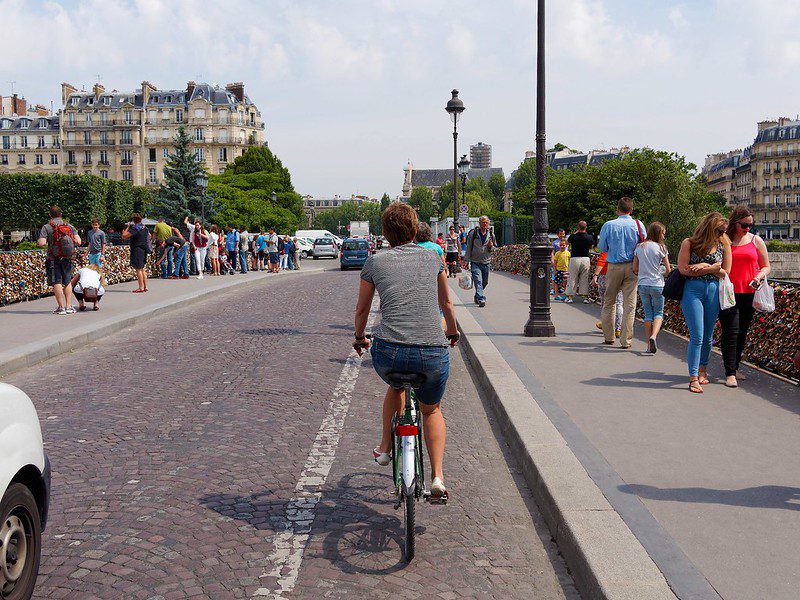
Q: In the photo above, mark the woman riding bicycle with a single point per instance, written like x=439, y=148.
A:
x=412, y=286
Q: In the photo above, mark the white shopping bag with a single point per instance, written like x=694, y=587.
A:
x=764, y=298
x=727, y=299
x=465, y=281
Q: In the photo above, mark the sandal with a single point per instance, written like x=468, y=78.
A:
x=81, y=308
x=703, y=378
x=695, y=387
x=139, y=291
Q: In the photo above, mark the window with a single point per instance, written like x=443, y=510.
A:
x=88, y=118
x=41, y=143
x=223, y=116
x=151, y=136
x=166, y=152
x=71, y=157
x=23, y=123
x=252, y=119
x=103, y=157
x=39, y=159
x=199, y=135
x=54, y=159
x=128, y=116
x=104, y=174
x=153, y=176
x=71, y=118
x=5, y=124
x=152, y=116
x=6, y=142
x=23, y=141
x=87, y=138
x=199, y=113
x=71, y=137
x=126, y=138
x=42, y=123
x=3, y=159
x=223, y=135
x=104, y=118
x=71, y=172
x=107, y=100
x=152, y=152
x=179, y=116
x=87, y=157
x=21, y=159
x=165, y=134
x=104, y=137
x=200, y=154
x=223, y=155
x=127, y=175
x=126, y=157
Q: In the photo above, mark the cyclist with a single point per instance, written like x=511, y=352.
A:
x=412, y=286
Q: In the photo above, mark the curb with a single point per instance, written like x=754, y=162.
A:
x=39, y=351
x=605, y=558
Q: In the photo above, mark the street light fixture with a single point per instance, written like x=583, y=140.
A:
x=274, y=197
x=463, y=169
x=202, y=183
x=539, y=322
x=454, y=108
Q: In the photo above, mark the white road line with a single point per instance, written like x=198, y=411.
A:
x=290, y=543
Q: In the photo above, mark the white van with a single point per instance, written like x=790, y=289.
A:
x=313, y=234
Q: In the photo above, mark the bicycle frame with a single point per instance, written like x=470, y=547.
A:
x=407, y=463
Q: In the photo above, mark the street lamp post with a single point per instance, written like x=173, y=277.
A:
x=463, y=169
x=454, y=108
x=539, y=322
x=202, y=183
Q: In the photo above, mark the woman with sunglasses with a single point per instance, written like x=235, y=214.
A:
x=749, y=269
x=703, y=260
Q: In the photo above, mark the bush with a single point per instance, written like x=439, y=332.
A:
x=781, y=246
x=26, y=245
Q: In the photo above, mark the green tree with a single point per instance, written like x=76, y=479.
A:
x=422, y=201
x=180, y=195
x=385, y=201
x=497, y=187
x=341, y=216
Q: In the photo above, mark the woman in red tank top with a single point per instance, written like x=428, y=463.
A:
x=749, y=269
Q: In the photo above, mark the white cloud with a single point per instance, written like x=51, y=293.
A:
x=677, y=18
x=461, y=44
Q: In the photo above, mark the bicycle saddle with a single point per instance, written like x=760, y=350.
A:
x=398, y=380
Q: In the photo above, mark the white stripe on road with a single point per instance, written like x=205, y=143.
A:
x=290, y=543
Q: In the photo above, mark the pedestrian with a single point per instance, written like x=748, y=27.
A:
x=263, y=257
x=232, y=248
x=88, y=285
x=97, y=243
x=282, y=253
x=198, y=238
x=462, y=240
x=749, y=269
x=254, y=261
x=581, y=242
x=648, y=259
x=139, y=238
x=272, y=250
x=213, y=249
x=561, y=270
x=424, y=240
x=451, y=252
x=60, y=238
x=440, y=240
x=296, y=254
x=288, y=248
x=560, y=235
x=161, y=232
x=480, y=245
x=619, y=239
x=244, y=242
x=599, y=279
x=178, y=242
x=703, y=260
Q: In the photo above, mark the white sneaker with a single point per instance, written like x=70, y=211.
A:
x=382, y=458
x=586, y=301
x=70, y=310
x=438, y=490
x=200, y=276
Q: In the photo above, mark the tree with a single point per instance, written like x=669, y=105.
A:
x=497, y=187
x=385, y=201
x=180, y=196
x=422, y=200
x=349, y=211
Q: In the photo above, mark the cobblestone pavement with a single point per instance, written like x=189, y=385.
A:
x=177, y=447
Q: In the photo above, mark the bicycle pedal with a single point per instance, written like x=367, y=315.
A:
x=438, y=500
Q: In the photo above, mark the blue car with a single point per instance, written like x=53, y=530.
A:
x=354, y=253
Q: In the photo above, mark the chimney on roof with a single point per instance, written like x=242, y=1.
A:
x=189, y=89
x=762, y=125
x=18, y=105
x=41, y=110
x=783, y=121
x=147, y=88
x=98, y=89
x=67, y=89
x=237, y=89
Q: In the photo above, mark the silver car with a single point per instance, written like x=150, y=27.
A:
x=324, y=246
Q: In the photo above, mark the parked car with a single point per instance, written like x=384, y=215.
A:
x=324, y=246
x=304, y=247
x=354, y=253
x=25, y=489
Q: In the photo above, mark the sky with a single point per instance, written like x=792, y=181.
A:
x=351, y=90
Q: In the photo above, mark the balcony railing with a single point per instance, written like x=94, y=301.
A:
x=126, y=162
x=87, y=162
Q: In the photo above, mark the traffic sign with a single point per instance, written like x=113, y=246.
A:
x=464, y=209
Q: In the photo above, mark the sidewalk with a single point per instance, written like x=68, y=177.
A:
x=707, y=483
x=31, y=333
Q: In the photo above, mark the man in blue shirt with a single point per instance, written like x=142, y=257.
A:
x=232, y=247
x=619, y=239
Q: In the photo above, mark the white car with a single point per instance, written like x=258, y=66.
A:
x=304, y=247
x=25, y=490
x=325, y=246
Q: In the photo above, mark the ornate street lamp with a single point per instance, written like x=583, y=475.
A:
x=539, y=322
x=202, y=183
x=454, y=108
x=463, y=169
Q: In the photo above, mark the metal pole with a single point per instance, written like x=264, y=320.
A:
x=464, y=188
x=539, y=322
x=455, y=173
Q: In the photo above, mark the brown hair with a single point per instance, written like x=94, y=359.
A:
x=625, y=205
x=136, y=218
x=740, y=211
x=656, y=233
x=95, y=222
x=55, y=212
x=423, y=232
x=399, y=222
x=705, y=238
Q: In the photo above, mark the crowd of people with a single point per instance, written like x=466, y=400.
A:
x=179, y=253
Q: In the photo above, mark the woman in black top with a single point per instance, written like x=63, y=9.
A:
x=140, y=244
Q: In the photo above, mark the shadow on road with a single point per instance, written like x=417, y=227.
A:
x=763, y=496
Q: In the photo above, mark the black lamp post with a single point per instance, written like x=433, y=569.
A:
x=454, y=108
x=202, y=183
x=463, y=169
x=539, y=322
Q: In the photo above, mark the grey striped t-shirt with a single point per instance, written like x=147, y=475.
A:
x=405, y=278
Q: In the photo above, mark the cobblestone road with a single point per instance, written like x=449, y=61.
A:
x=177, y=447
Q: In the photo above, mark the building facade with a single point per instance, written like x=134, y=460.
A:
x=720, y=171
x=30, y=144
x=436, y=178
x=480, y=156
x=129, y=135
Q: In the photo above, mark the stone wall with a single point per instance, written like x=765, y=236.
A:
x=22, y=275
x=785, y=265
x=773, y=339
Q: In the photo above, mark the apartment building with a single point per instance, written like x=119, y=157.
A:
x=720, y=171
x=129, y=135
x=30, y=144
x=480, y=156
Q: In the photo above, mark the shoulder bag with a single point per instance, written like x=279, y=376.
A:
x=673, y=285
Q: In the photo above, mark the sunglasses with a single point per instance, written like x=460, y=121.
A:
x=745, y=225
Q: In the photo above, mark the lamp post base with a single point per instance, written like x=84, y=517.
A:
x=533, y=329
x=539, y=322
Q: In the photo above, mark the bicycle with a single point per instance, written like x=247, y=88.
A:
x=407, y=457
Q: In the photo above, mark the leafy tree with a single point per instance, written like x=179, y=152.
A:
x=385, y=201
x=422, y=201
x=180, y=195
x=349, y=211
x=497, y=187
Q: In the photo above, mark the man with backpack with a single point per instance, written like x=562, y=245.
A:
x=480, y=245
x=60, y=238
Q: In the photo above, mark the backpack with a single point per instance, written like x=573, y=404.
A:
x=63, y=243
x=90, y=293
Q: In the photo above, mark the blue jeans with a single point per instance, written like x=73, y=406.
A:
x=243, y=261
x=700, y=306
x=432, y=361
x=652, y=302
x=181, y=264
x=166, y=265
x=480, y=277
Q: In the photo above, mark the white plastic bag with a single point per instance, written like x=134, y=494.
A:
x=465, y=281
x=727, y=299
x=764, y=298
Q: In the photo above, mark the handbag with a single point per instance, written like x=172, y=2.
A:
x=465, y=281
x=673, y=285
x=727, y=299
x=764, y=298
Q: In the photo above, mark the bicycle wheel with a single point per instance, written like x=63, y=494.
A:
x=410, y=516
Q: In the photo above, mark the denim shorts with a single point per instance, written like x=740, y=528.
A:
x=652, y=302
x=433, y=361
